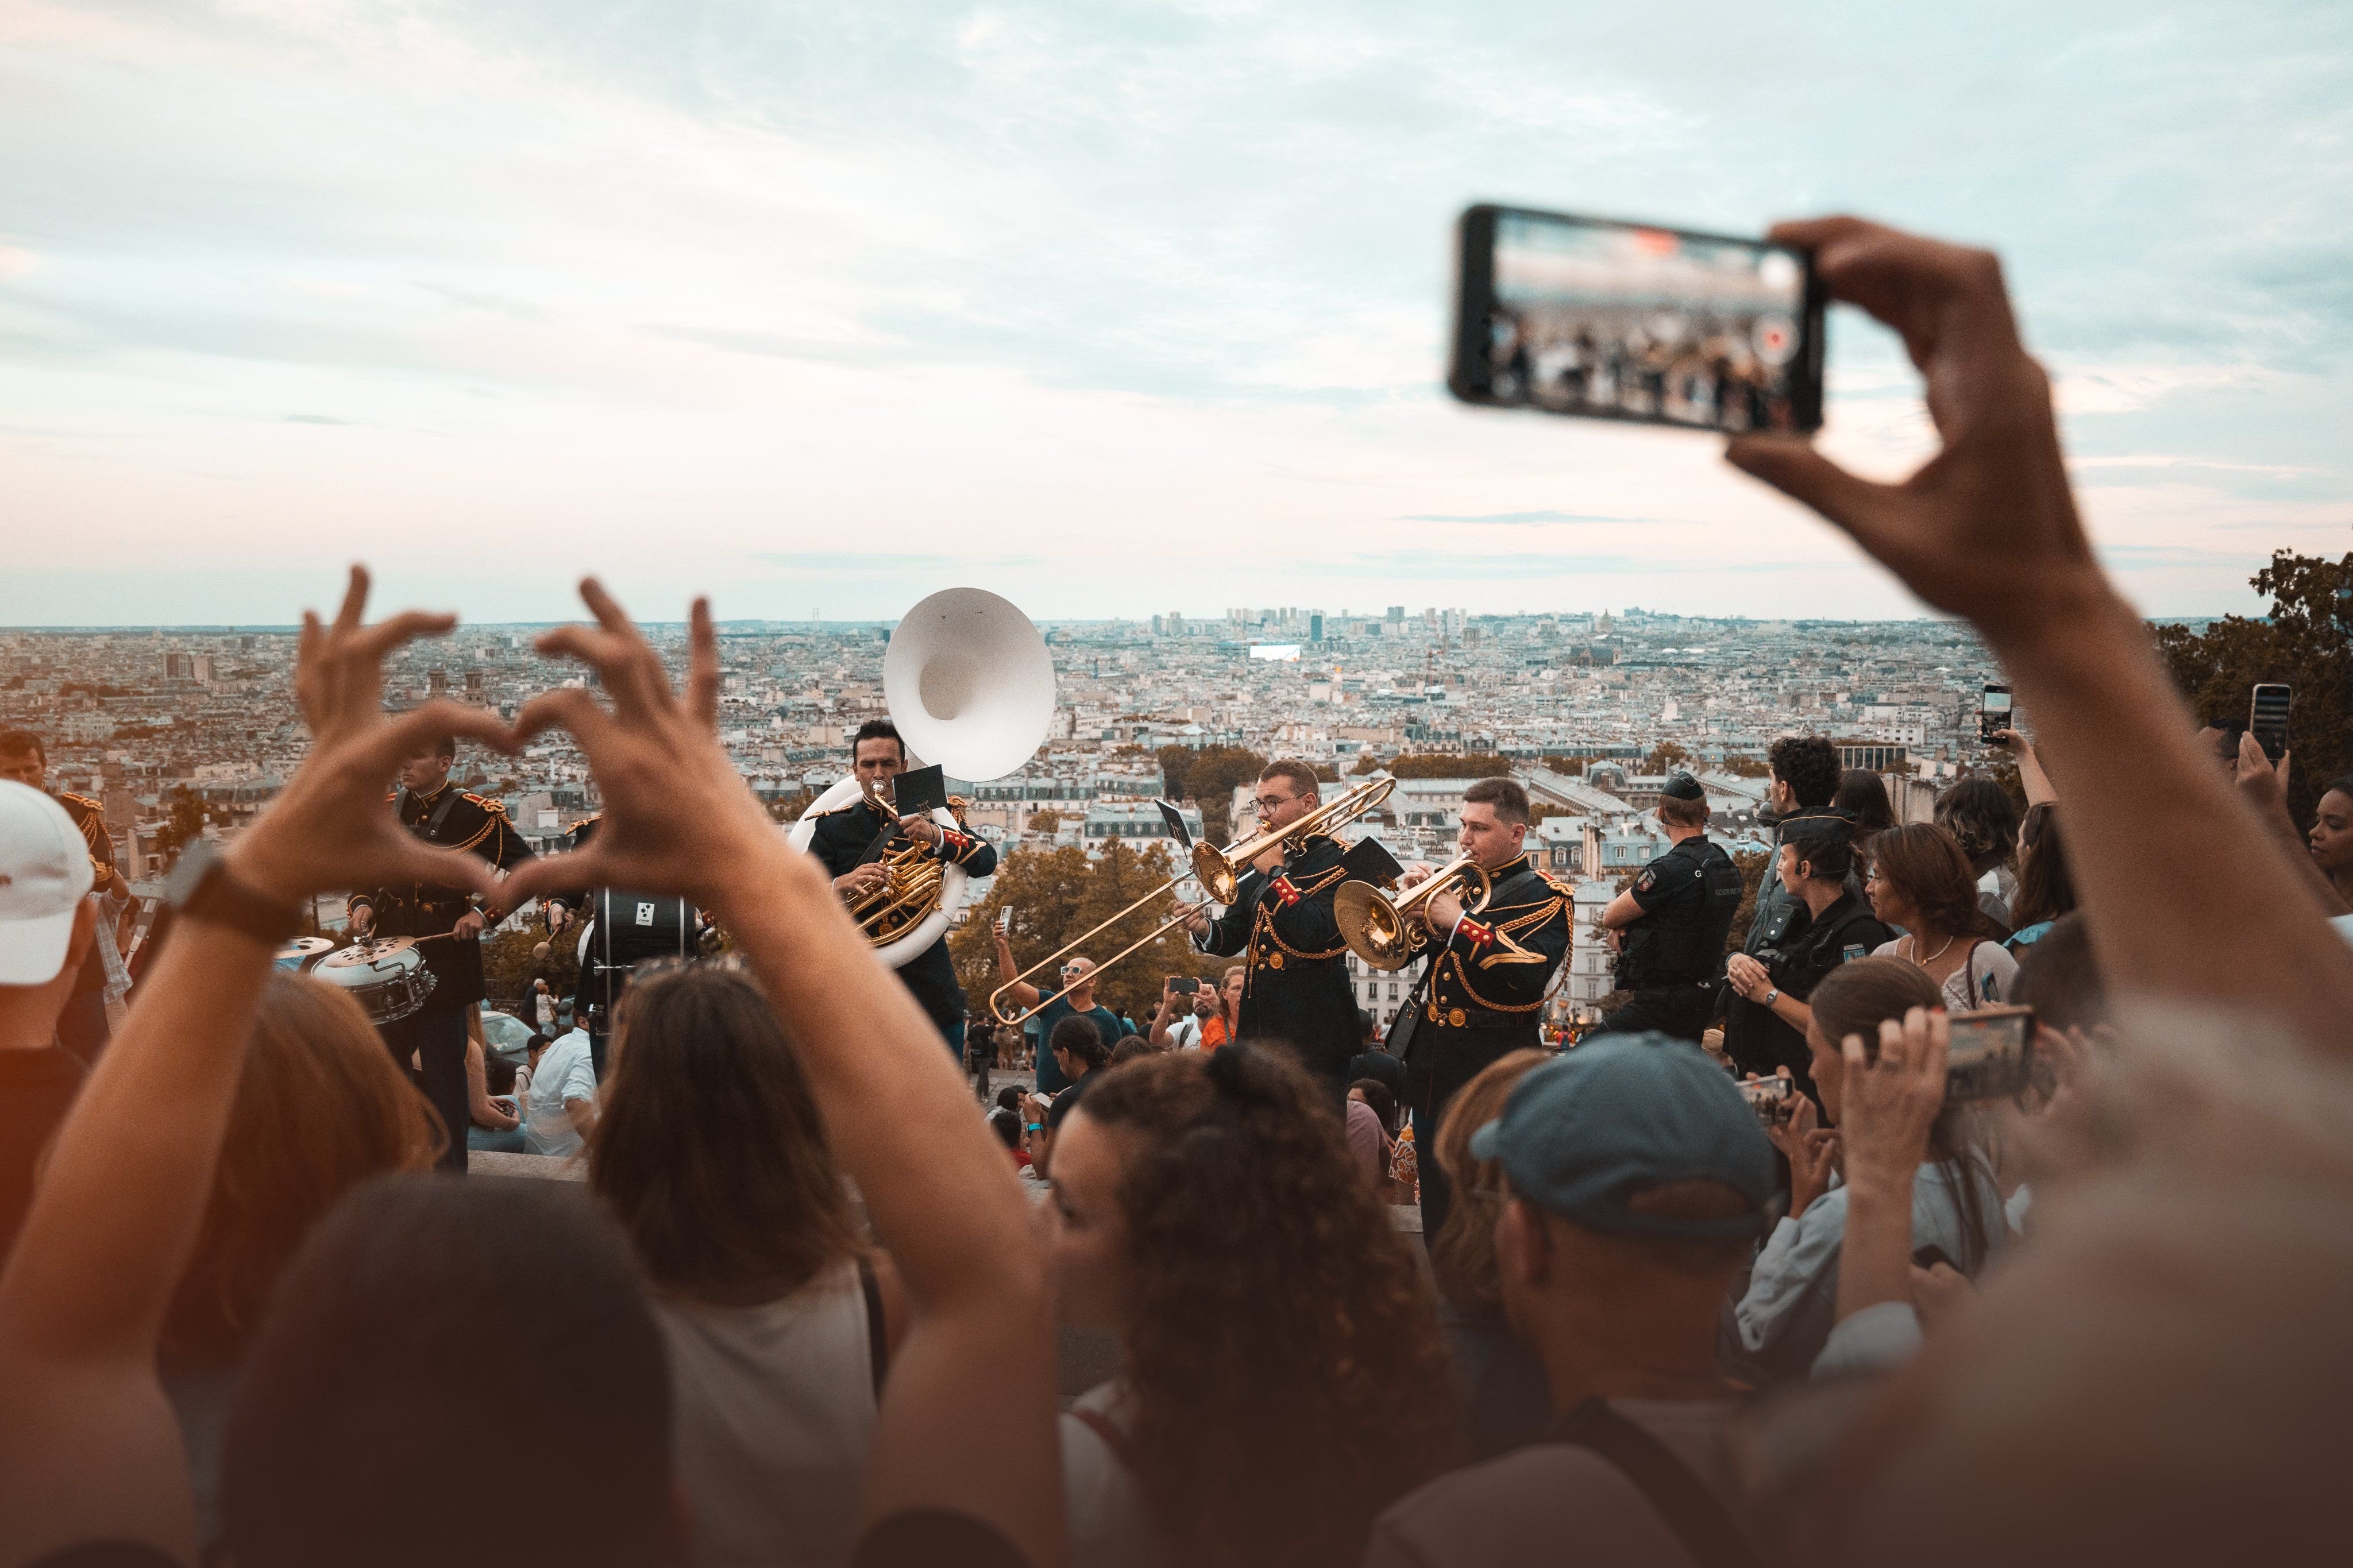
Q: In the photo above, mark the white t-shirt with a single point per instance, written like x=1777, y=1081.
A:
x=1982, y=981
x=565, y=1071
x=1110, y=1523
x=1552, y=1503
x=1185, y=1034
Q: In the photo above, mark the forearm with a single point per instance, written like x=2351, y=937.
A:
x=1875, y=1255
x=1799, y=1016
x=2109, y=711
x=2034, y=780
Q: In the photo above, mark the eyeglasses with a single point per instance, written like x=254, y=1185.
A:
x=1270, y=804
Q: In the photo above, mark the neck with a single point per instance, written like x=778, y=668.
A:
x=427, y=792
x=1676, y=833
x=26, y=1024
x=1652, y=1348
x=1819, y=895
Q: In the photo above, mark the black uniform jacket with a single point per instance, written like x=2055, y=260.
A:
x=1482, y=993
x=1296, y=988
x=89, y=818
x=455, y=819
x=843, y=840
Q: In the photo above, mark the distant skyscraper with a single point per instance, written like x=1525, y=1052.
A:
x=1316, y=625
x=1397, y=615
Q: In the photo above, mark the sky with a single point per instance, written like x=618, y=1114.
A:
x=1111, y=307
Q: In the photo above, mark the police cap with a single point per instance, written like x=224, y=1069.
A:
x=1683, y=787
x=1816, y=826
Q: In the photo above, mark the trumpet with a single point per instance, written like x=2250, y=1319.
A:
x=1384, y=930
x=1220, y=873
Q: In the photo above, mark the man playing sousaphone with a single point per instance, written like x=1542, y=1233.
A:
x=848, y=841
x=1296, y=992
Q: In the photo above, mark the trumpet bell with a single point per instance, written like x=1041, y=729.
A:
x=1373, y=927
x=969, y=683
x=1218, y=876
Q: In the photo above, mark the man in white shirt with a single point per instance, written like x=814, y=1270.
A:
x=562, y=1099
x=1638, y=1180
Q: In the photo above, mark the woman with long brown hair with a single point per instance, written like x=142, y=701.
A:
x=2046, y=889
x=1921, y=882
x=1283, y=1378
x=711, y=1152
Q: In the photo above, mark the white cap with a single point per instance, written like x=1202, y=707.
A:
x=44, y=874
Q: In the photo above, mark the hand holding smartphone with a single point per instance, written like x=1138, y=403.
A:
x=2267, y=720
x=1994, y=713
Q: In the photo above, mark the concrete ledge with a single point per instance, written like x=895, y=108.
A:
x=537, y=1167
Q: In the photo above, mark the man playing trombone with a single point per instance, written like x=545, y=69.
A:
x=1295, y=987
x=1484, y=988
x=845, y=841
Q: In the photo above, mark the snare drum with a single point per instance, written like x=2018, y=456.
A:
x=388, y=977
x=303, y=952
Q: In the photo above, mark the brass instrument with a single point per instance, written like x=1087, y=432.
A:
x=1220, y=873
x=1383, y=931
x=912, y=878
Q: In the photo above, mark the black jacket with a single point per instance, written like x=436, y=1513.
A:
x=452, y=818
x=845, y=839
x=1296, y=989
x=1485, y=985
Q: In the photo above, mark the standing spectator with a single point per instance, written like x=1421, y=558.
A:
x=1076, y=996
x=1770, y=1034
x=1784, y=1319
x=1980, y=816
x=1921, y=883
x=1863, y=798
x=711, y=1154
x=47, y=923
x=542, y=1003
x=560, y=1107
x=1177, y=1022
x=2331, y=839
x=1281, y=1374
x=1638, y=1178
x=1371, y=1110
x=1803, y=775
x=82, y=1028
x=2045, y=890
x=1505, y=1402
x=1375, y=1063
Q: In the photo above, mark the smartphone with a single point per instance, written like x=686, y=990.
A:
x=1769, y=1098
x=1992, y=1054
x=1625, y=321
x=1004, y=918
x=2267, y=720
x=1184, y=985
x=1993, y=713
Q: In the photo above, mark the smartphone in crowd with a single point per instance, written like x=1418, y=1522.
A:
x=1769, y=1099
x=1004, y=918
x=1624, y=320
x=1184, y=985
x=1994, y=713
x=1991, y=1056
x=2267, y=720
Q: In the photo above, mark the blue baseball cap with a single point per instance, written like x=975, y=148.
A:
x=1622, y=1114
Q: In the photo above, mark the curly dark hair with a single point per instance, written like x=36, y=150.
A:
x=1980, y=814
x=1284, y=1350
x=1808, y=765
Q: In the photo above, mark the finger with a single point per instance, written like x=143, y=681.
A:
x=1857, y=505
x=702, y=666
x=1857, y=1062
x=1935, y=1049
x=546, y=874
x=383, y=636
x=412, y=729
x=644, y=673
x=1816, y=233
x=355, y=593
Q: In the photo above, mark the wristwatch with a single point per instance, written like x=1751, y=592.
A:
x=1772, y=996
x=201, y=888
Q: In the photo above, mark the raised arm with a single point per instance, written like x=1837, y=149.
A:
x=1988, y=528
x=2030, y=776
x=89, y=1446
x=967, y=1420
x=1022, y=991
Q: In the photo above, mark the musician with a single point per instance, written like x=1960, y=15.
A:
x=439, y=813
x=1295, y=987
x=1671, y=924
x=850, y=841
x=81, y=1028
x=1483, y=991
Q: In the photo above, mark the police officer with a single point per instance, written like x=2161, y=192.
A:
x=1673, y=922
x=1482, y=993
x=1825, y=925
x=850, y=842
x=1295, y=987
x=439, y=813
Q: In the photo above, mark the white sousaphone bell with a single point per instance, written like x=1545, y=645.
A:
x=970, y=685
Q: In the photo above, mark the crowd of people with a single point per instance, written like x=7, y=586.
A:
x=805, y=1307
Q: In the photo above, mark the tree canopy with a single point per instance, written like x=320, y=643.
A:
x=1207, y=776
x=1447, y=765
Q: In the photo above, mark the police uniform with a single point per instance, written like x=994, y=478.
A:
x=1672, y=956
x=452, y=818
x=1295, y=987
x=81, y=1026
x=1798, y=948
x=1482, y=996
x=845, y=839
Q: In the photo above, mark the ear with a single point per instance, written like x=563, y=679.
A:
x=1523, y=1246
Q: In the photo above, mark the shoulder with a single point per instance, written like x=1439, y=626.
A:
x=71, y=800
x=485, y=804
x=1518, y=1509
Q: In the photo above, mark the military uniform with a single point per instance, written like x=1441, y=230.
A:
x=1673, y=955
x=81, y=1026
x=845, y=839
x=1295, y=987
x=1482, y=997
x=452, y=818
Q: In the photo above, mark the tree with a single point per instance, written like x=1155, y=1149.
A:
x=2304, y=643
x=1665, y=757
x=1055, y=894
x=1206, y=777
x=1745, y=767
x=1573, y=766
x=1755, y=867
x=1044, y=821
x=1448, y=765
x=184, y=823
x=509, y=961
x=1366, y=763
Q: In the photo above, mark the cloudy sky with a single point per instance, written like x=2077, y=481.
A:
x=1111, y=306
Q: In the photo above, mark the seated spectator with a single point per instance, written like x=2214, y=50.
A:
x=1784, y=1319
x=1638, y=1179
x=710, y=1152
x=1814, y=865
x=1006, y=1125
x=1132, y=1047
x=1375, y=1063
x=1502, y=1385
x=1367, y=1127
x=560, y=1106
x=1284, y=1377
x=1981, y=817
x=1863, y=797
x=1921, y=884
x=2044, y=890
x=47, y=924
x=492, y=1126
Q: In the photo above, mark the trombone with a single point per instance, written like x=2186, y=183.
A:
x=1220, y=873
x=1383, y=930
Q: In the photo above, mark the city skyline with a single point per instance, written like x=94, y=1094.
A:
x=1086, y=307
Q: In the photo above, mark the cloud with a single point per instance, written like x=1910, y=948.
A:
x=314, y=419
x=1542, y=516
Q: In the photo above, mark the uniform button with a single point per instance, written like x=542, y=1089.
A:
x=1457, y=1018
x=1275, y=959
x=1433, y=1012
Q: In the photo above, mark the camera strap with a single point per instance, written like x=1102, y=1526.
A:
x=1685, y=1504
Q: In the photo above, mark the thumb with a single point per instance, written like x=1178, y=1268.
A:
x=1795, y=469
x=555, y=874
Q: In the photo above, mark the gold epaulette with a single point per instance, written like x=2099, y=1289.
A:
x=80, y=800
x=585, y=822
x=495, y=807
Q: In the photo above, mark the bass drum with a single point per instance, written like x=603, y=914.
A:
x=387, y=977
x=919, y=936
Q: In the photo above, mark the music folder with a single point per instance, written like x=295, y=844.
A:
x=1175, y=821
x=920, y=789
x=1368, y=861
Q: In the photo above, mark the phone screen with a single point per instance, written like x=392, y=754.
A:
x=2267, y=720
x=1993, y=711
x=1992, y=1054
x=1618, y=320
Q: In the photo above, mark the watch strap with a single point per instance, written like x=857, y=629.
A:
x=220, y=898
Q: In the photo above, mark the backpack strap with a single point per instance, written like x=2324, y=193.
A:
x=1103, y=1426
x=878, y=1333
x=1684, y=1503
